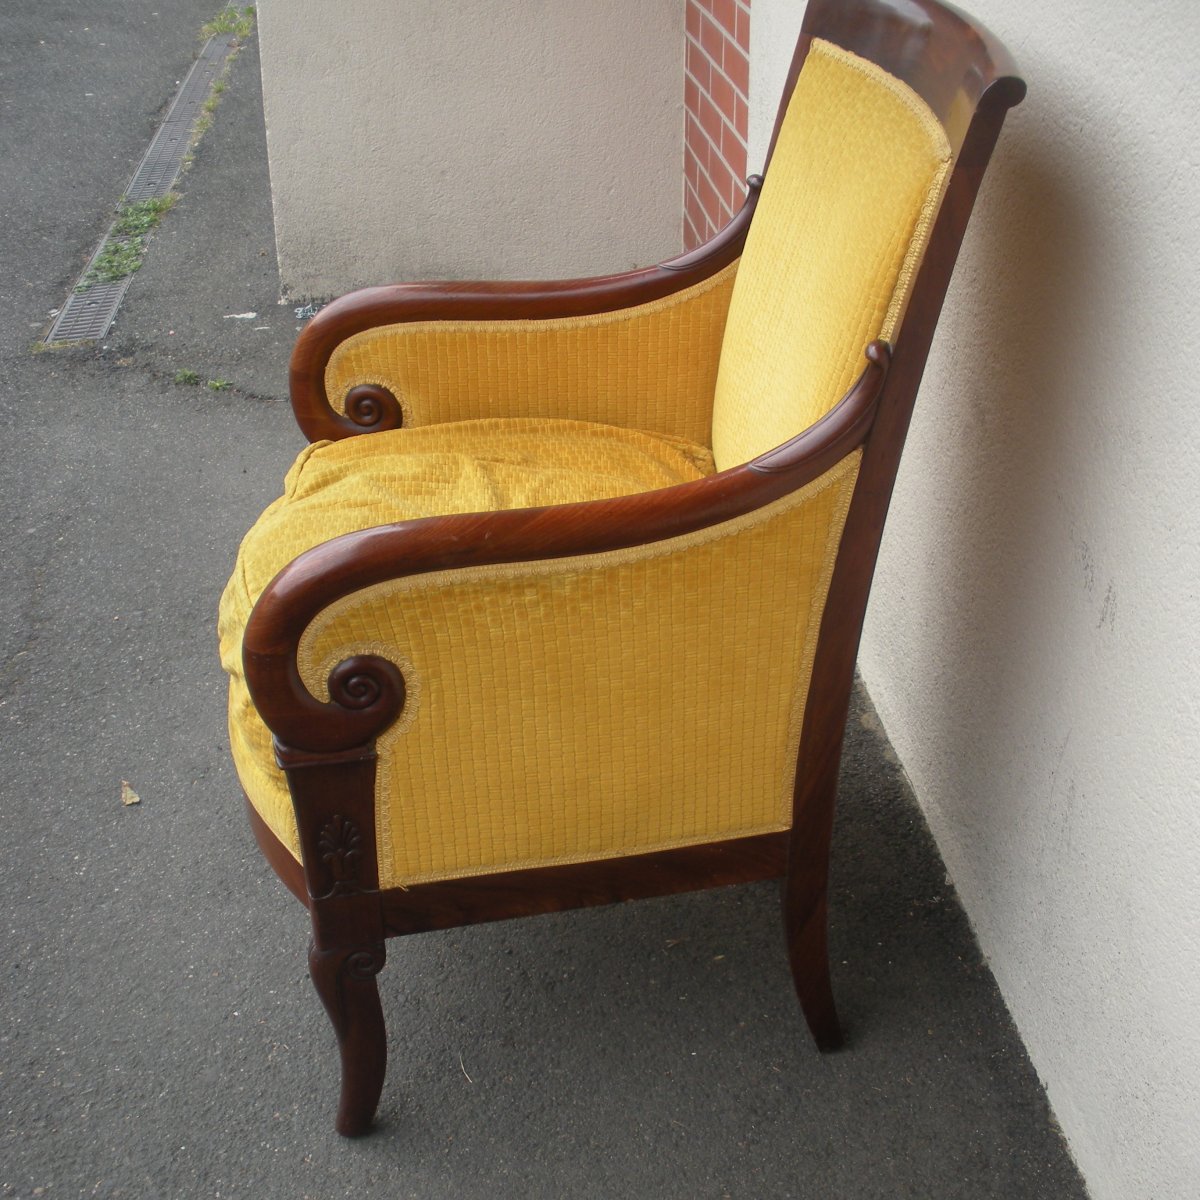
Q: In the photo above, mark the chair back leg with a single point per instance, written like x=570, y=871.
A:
x=805, y=908
x=806, y=884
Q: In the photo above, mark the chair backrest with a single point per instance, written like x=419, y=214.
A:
x=880, y=98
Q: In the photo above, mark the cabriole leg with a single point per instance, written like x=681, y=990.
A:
x=345, y=981
x=334, y=798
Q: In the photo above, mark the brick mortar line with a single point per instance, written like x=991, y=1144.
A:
x=700, y=235
x=737, y=91
x=727, y=40
x=739, y=176
x=723, y=207
x=716, y=149
x=705, y=92
x=727, y=36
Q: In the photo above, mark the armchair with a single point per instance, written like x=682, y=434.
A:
x=561, y=605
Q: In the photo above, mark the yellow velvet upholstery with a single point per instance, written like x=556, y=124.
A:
x=473, y=466
x=575, y=708
x=832, y=250
x=466, y=466
x=589, y=707
x=652, y=367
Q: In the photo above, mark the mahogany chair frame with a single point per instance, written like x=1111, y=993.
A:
x=328, y=749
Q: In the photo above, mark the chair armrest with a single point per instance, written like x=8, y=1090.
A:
x=348, y=564
x=573, y=682
x=638, y=349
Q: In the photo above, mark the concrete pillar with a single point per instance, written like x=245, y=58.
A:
x=471, y=140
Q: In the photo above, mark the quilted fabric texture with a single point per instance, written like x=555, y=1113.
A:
x=651, y=367
x=850, y=194
x=580, y=708
x=640, y=699
x=467, y=466
x=474, y=466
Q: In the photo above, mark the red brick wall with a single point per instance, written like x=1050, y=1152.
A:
x=716, y=88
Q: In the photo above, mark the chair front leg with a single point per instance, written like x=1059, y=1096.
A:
x=334, y=799
x=345, y=981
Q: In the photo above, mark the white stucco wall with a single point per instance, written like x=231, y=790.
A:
x=479, y=140
x=774, y=28
x=1032, y=643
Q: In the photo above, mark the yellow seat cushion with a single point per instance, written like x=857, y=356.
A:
x=469, y=466
x=459, y=467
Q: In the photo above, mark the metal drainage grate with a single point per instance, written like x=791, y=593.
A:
x=86, y=316
x=165, y=156
x=89, y=312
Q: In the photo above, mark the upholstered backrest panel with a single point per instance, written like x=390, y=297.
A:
x=850, y=195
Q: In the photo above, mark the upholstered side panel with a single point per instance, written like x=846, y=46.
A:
x=405, y=474
x=842, y=222
x=580, y=708
x=651, y=367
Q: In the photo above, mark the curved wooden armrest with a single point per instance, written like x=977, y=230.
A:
x=366, y=693
x=376, y=409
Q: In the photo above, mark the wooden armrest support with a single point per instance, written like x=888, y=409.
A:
x=375, y=409
x=367, y=692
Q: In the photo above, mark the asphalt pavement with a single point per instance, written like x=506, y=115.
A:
x=158, y=1033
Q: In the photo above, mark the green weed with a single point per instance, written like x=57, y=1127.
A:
x=126, y=243
x=114, y=262
x=138, y=218
x=230, y=19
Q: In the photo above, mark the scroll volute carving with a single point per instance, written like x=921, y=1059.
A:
x=366, y=694
x=372, y=408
